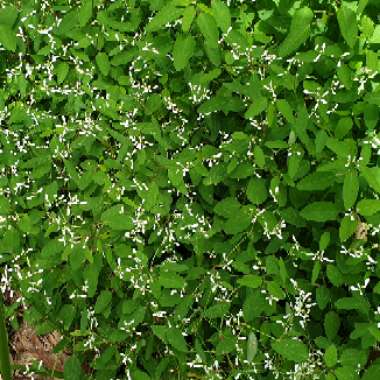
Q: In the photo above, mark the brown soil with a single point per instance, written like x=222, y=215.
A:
x=28, y=347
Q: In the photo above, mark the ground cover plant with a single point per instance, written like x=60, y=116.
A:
x=190, y=189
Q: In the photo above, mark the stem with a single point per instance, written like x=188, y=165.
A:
x=5, y=364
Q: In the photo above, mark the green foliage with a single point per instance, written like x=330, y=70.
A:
x=347, y=23
x=291, y=349
x=191, y=189
x=299, y=31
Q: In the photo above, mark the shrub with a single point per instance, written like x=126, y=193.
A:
x=191, y=190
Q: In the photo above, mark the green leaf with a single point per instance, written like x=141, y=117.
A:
x=259, y=157
x=316, y=181
x=334, y=275
x=221, y=14
x=103, y=300
x=322, y=296
x=176, y=339
x=103, y=63
x=239, y=222
x=345, y=76
x=211, y=105
x=91, y=275
x=116, y=219
x=183, y=50
x=331, y=356
x=347, y=24
x=346, y=373
x=375, y=331
x=291, y=349
x=227, y=343
x=353, y=357
x=320, y=141
x=160, y=332
x=5, y=206
x=150, y=196
x=362, y=5
x=368, y=207
x=299, y=31
x=73, y=369
x=77, y=257
x=51, y=249
x=217, y=311
x=347, y=227
x=345, y=123
x=213, y=53
x=331, y=325
x=250, y=281
x=372, y=176
x=283, y=271
x=275, y=290
x=257, y=191
x=8, y=38
x=8, y=16
x=209, y=29
x=324, y=240
x=320, y=211
x=85, y=12
x=140, y=375
x=171, y=280
x=372, y=373
x=375, y=39
x=61, y=71
x=350, y=189
x=66, y=315
x=187, y=19
x=294, y=162
x=277, y=144
x=376, y=289
x=373, y=97
x=168, y=13
x=357, y=302
x=175, y=175
x=315, y=271
x=259, y=105
x=284, y=107
x=342, y=149
x=251, y=347
x=227, y=207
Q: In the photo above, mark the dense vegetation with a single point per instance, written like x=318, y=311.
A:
x=191, y=189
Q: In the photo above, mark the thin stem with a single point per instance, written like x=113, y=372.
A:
x=5, y=364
